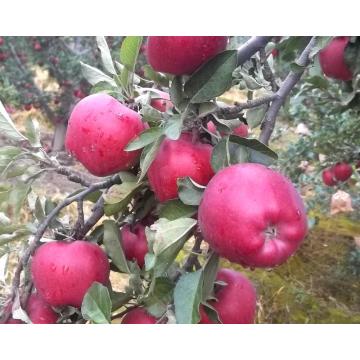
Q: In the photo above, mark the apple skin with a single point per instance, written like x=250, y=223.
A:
x=28, y=107
x=162, y=104
x=63, y=272
x=138, y=316
x=134, y=243
x=241, y=130
x=342, y=171
x=178, y=159
x=236, y=302
x=99, y=129
x=328, y=177
x=182, y=55
x=332, y=59
x=252, y=215
x=38, y=311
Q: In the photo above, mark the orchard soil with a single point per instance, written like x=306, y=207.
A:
x=314, y=286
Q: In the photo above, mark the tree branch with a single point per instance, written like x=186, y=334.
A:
x=268, y=124
x=232, y=112
x=250, y=47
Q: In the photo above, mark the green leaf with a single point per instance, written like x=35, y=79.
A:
x=33, y=132
x=105, y=55
x=175, y=209
x=150, y=114
x=250, y=82
x=206, y=108
x=187, y=298
x=96, y=305
x=169, y=232
x=255, y=115
x=212, y=79
x=166, y=239
x=7, y=155
x=95, y=76
x=118, y=299
x=173, y=127
x=190, y=192
x=176, y=91
x=129, y=51
x=39, y=211
x=18, y=195
x=158, y=78
x=258, y=152
x=148, y=155
x=145, y=138
x=161, y=296
x=210, y=271
x=112, y=243
x=7, y=127
x=220, y=157
x=119, y=196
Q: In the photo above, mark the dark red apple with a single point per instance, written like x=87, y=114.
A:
x=64, y=271
x=342, y=171
x=78, y=93
x=252, y=215
x=138, y=316
x=134, y=243
x=236, y=301
x=54, y=60
x=28, y=107
x=328, y=177
x=1, y=41
x=99, y=129
x=242, y=130
x=178, y=159
x=3, y=56
x=332, y=59
x=162, y=103
x=182, y=55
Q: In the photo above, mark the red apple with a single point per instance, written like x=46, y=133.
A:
x=38, y=311
x=328, y=177
x=54, y=60
x=134, y=243
x=242, y=130
x=332, y=59
x=56, y=101
x=252, y=215
x=99, y=129
x=162, y=103
x=1, y=41
x=64, y=271
x=342, y=171
x=27, y=107
x=3, y=56
x=236, y=302
x=275, y=53
x=177, y=159
x=138, y=316
x=182, y=55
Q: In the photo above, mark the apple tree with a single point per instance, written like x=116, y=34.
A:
x=184, y=184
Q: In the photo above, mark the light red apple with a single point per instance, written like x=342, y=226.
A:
x=99, y=129
x=138, y=316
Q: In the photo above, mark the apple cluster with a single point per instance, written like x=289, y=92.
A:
x=339, y=172
x=249, y=214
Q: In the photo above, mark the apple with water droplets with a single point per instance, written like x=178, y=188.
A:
x=252, y=215
x=63, y=271
x=182, y=55
x=177, y=159
x=99, y=129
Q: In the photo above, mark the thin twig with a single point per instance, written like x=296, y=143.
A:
x=268, y=124
x=232, y=112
